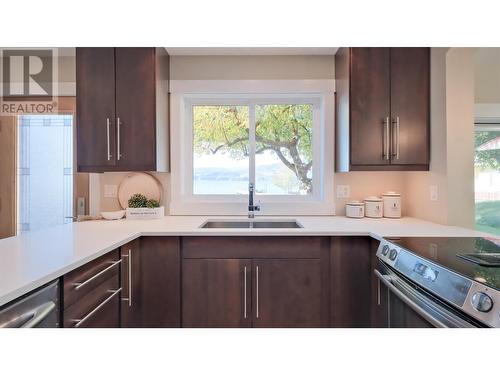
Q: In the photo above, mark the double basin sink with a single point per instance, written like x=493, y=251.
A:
x=256, y=224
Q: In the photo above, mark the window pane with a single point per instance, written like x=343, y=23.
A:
x=487, y=181
x=283, y=160
x=45, y=179
x=221, y=149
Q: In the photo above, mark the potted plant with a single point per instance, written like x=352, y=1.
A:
x=140, y=207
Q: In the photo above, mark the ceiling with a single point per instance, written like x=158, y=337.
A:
x=228, y=51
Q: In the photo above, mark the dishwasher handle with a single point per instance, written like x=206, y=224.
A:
x=31, y=318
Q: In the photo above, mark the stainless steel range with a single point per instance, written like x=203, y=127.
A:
x=440, y=282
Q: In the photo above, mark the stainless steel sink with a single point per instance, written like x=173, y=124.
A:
x=261, y=224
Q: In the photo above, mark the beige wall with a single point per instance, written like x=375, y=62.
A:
x=417, y=184
x=364, y=184
x=251, y=67
x=115, y=178
x=452, y=143
x=460, y=135
x=451, y=170
x=487, y=75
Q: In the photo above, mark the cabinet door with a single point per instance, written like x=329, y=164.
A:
x=135, y=109
x=287, y=293
x=160, y=278
x=350, y=282
x=216, y=293
x=410, y=105
x=95, y=109
x=369, y=105
x=131, y=306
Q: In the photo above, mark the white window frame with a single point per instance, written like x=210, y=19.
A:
x=184, y=202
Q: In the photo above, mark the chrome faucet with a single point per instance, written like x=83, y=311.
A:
x=251, y=207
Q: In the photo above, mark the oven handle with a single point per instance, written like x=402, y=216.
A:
x=386, y=279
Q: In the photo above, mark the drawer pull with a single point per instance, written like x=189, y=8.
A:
x=79, y=322
x=129, y=260
x=82, y=284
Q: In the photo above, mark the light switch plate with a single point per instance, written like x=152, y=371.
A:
x=80, y=206
x=343, y=191
x=434, y=192
x=110, y=191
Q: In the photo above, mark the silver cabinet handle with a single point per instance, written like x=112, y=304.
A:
x=257, y=292
x=31, y=318
x=79, y=322
x=118, y=126
x=396, y=136
x=386, y=152
x=107, y=138
x=245, y=293
x=129, y=260
x=82, y=284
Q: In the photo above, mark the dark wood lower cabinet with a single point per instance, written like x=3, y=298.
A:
x=131, y=305
x=255, y=282
x=155, y=274
x=216, y=293
x=288, y=293
x=350, y=275
x=265, y=282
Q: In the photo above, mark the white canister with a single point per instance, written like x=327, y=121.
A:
x=355, y=209
x=374, y=207
x=392, y=204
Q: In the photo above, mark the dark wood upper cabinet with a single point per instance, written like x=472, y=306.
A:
x=288, y=293
x=95, y=108
x=382, y=109
x=122, y=109
x=216, y=293
x=370, y=75
x=410, y=105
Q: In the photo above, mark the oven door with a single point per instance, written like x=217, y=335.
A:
x=407, y=306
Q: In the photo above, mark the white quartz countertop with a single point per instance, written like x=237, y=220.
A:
x=33, y=259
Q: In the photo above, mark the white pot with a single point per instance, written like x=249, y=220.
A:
x=392, y=204
x=355, y=209
x=145, y=213
x=374, y=207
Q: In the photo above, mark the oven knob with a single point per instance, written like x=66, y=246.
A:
x=393, y=255
x=482, y=302
x=385, y=250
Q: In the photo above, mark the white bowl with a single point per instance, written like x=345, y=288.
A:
x=113, y=215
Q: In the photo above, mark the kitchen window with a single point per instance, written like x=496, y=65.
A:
x=276, y=142
x=487, y=177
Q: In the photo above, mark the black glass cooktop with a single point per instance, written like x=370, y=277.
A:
x=467, y=256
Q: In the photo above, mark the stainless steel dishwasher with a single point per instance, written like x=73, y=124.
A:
x=37, y=309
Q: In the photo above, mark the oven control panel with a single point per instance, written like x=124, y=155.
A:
x=473, y=298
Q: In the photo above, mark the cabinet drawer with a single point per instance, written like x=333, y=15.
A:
x=253, y=247
x=97, y=309
x=83, y=280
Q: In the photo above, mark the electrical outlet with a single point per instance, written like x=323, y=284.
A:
x=343, y=191
x=434, y=192
x=110, y=191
